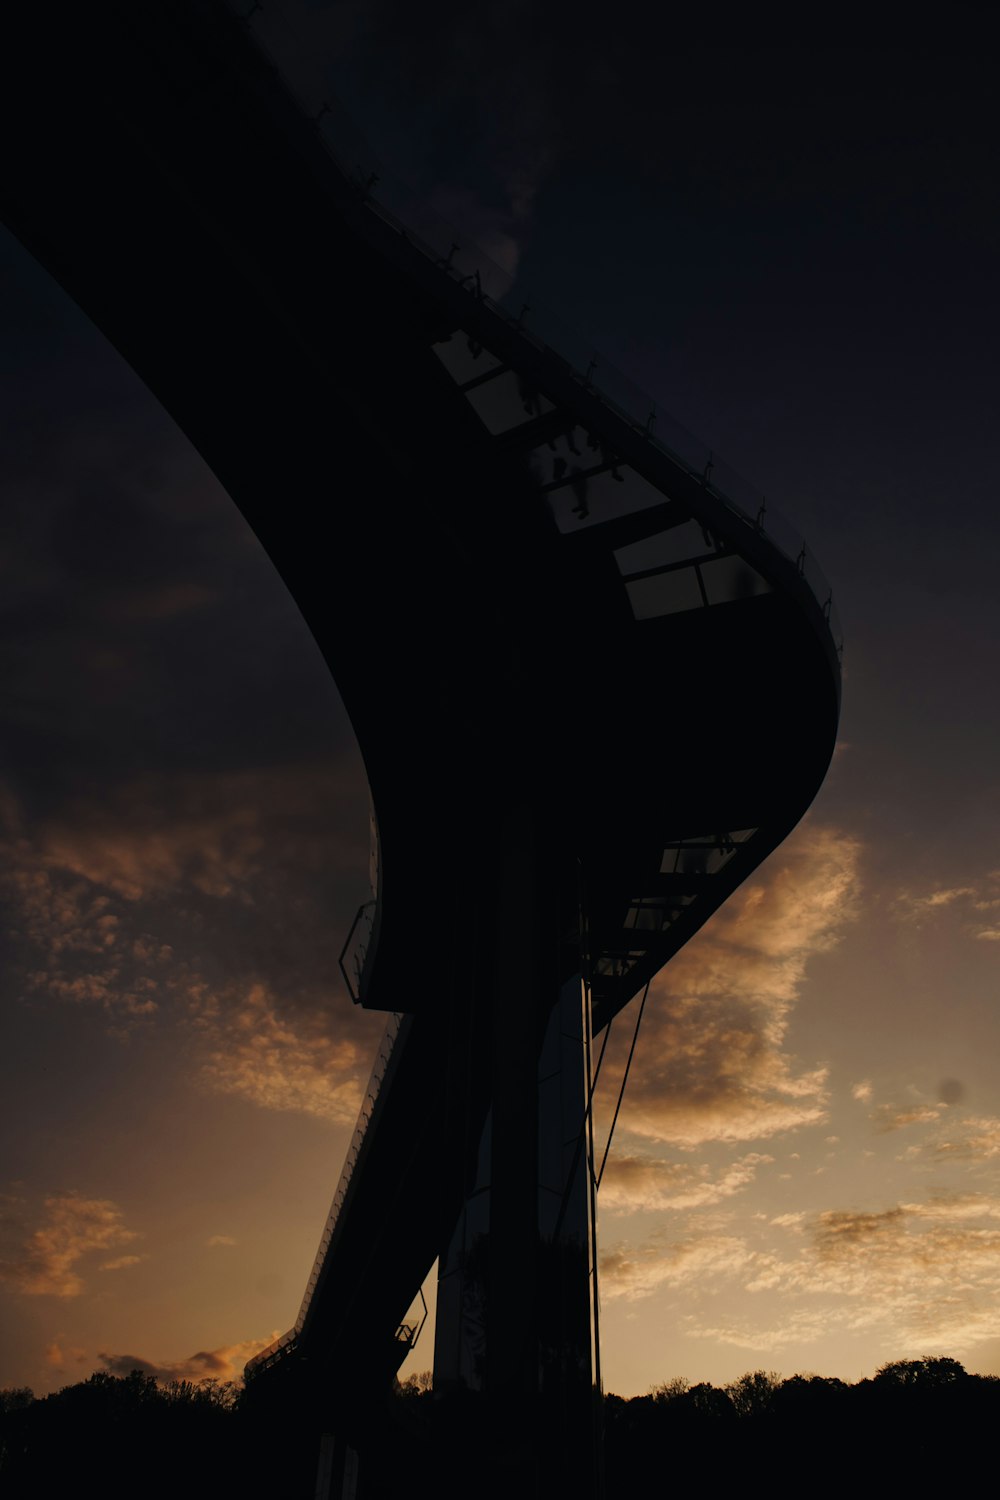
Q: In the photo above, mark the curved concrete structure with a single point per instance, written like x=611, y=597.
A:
x=591, y=692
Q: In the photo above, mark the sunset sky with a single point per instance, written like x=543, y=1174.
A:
x=795, y=250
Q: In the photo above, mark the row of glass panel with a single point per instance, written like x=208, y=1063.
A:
x=683, y=567
x=301, y=66
x=698, y=858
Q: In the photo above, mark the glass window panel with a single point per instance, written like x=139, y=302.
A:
x=553, y=461
x=507, y=401
x=729, y=578
x=704, y=855
x=647, y=916
x=606, y=497
x=464, y=359
x=673, y=546
x=665, y=594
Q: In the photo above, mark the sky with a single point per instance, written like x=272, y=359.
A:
x=792, y=245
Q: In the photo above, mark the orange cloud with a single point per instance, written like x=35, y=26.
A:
x=276, y=1060
x=889, y=1117
x=58, y=913
x=225, y=1363
x=636, y=1273
x=97, y=890
x=711, y=1063
x=918, y=910
x=634, y=1183
x=42, y=1262
x=58, y=1357
x=974, y=1138
x=212, y=834
x=925, y=1274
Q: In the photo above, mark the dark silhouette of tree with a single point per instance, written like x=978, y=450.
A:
x=753, y=1394
x=707, y=1403
x=129, y=1436
x=926, y=1373
x=15, y=1398
x=670, y=1390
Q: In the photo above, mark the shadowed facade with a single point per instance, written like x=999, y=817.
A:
x=591, y=694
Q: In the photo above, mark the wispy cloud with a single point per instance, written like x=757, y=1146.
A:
x=161, y=836
x=224, y=1363
x=277, y=1060
x=919, y=909
x=921, y=1275
x=711, y=1063
x=251, y=839
x=216, y=1240
x=199, y=902
x=122, y=1262
x=634, y=1183
x=58, y=1357
x=44, y=1261
x=638, y=1272
x=889, y=1117
x=974, y=1138
x=915, y=908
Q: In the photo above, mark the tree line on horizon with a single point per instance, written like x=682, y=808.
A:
x=921, y=1420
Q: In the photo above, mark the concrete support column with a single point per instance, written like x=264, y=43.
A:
x=516, y=1297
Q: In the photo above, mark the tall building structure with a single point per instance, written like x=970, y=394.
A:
x=591, y=689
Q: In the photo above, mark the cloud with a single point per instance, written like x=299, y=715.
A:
x=711, y=1063
x=634, y=1183
x=153, y=840
x=923, y=1275
x=974, y=1138
x=43, y=1261
x=224, y=1363
x=278, y=1061
x=219, y=1239
x=918, y=909
x=57, y=912
x=915, y=908
x=258, y=839
x=862, y=1091
x=58, y=1357
x=122, y=1262
x=888, y=1117
x=203, y=902
x=789, y=1221
x=637, y=1273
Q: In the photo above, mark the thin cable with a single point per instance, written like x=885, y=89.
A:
x=585, y=1139
x=600, y=1059
x=581, y=1140
x=621, y=1091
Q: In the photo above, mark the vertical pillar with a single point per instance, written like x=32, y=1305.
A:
x=516, y=1320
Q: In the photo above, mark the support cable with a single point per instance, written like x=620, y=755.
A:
x=584, y=1140
x=621, y=1091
